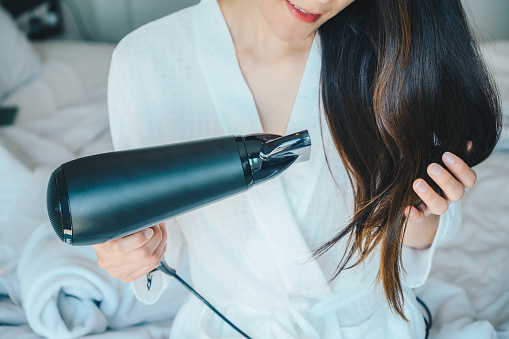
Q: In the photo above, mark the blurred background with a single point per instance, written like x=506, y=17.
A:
x=111, y=20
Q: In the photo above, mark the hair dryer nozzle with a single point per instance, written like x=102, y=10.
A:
x=294, y=145
x=270, y=155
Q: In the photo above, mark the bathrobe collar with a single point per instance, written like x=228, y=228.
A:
x=238, y=114
x=221, y=70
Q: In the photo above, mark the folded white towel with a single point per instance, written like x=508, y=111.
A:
x=66, y=295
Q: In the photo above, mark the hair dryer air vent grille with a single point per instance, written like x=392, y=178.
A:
x=54, y=208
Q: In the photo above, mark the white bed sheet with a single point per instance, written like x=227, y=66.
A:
x=63, y=115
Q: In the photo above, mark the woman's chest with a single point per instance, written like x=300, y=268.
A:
x=274, y=85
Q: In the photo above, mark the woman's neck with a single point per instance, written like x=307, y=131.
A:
x=252, y=34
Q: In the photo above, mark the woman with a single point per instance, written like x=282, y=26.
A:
x=386, y=88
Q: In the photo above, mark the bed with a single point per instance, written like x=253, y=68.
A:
x=59, y=88
x=49, y=289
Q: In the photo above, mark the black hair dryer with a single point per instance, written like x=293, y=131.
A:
x=98, y=198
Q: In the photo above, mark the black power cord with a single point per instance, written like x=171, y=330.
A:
x=163, y=267
x=429, y=321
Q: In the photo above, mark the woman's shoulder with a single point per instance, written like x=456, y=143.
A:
x=163, y=37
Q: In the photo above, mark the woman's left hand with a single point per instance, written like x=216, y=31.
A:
x=453, y=188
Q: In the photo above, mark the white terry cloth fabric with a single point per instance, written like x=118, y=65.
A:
x=66, y=295
x=178, y=79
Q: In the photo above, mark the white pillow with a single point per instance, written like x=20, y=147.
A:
x=75, y=73
x=18, y=61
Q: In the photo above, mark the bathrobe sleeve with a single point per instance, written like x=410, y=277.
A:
x=128, y=89
x=417, y=262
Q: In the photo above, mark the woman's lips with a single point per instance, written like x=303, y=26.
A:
x=301, y=14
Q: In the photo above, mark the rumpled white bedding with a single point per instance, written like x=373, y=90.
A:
x=50, y=289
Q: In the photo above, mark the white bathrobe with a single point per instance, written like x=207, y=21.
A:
x=178, y=79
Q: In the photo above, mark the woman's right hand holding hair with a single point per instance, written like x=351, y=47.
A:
x=131, y=257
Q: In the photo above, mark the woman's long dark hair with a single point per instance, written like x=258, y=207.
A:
x=402, y=82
